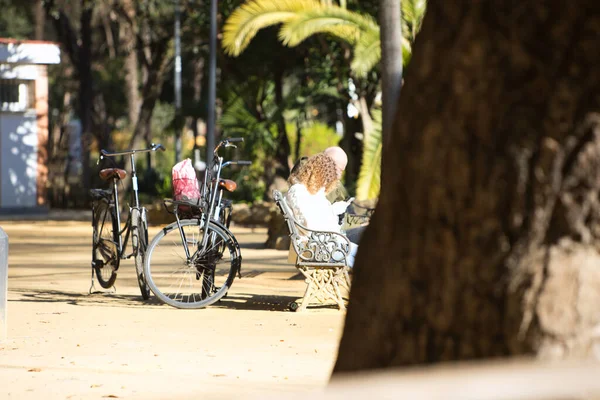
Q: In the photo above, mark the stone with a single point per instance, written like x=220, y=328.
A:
x=283, y=242
x=157, y=215
x=262, y=213
x=277, y=233
x=278, y=184
x=240, y=213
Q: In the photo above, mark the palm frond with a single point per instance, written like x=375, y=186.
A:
x=238, y=120
x=367, y=53
x=369, y=178
x=406, y=51
x=413, y=12
x=243, y=24
x=344, y=24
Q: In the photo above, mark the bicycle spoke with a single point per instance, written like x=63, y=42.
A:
x=193, y=282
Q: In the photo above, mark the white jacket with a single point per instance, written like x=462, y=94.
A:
x=314, y=210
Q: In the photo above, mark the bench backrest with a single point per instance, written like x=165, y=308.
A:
x=312, y=247
x=287, y=212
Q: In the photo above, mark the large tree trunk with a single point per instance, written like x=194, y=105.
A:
x=484, y=239
x=155, y=76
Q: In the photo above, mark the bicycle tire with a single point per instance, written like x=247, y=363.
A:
x=139, y=241
x=208, y=275
x=105, y=257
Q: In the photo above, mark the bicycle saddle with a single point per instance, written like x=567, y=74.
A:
x=109, y=173
x=227, y=184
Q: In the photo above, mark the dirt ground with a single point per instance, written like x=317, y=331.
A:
x=64, y=343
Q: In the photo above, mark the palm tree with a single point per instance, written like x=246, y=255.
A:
x=369, y=182
x=300, y=19
x=369, y=179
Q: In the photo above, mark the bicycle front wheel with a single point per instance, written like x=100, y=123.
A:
x=105, y=257
x=139, y=240
x=197, y=277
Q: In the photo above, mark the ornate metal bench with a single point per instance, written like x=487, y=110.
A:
x=321, y=257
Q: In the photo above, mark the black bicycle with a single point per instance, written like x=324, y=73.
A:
x=192, y=262
x=109, y=239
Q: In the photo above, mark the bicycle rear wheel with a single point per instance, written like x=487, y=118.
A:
x=139, y=240
x=105, y=257
x=196, y=280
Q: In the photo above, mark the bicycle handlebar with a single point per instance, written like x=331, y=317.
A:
x=226, y=163
x=154, y=147
x=225, y=142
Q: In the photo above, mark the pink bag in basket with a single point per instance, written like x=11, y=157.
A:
x=185, y=184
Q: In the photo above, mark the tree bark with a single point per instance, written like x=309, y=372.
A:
x=129, y=30
x=40, y=19
x=86, y=93
x=283, y=151
x=155, y=74
x=197, y=85
x=484, y=241
x=391, y=62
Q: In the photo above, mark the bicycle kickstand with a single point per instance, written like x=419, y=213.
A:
x=93, y=287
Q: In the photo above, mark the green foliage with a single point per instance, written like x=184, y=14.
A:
x=252, y=113
x=15, y=20
x=345, y=25
x=315, y=137
x=303, y=18
x=369, y=179
x=251, y=185
x=300, y=19
x=367, y=53
x=245, y=22
x=413, y=12
x=109, y=81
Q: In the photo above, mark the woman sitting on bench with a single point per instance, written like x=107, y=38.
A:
x=307, y=198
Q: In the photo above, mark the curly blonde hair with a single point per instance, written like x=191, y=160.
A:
x=319, y=171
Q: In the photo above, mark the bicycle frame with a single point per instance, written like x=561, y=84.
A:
x=212, y=190
x=122, y=243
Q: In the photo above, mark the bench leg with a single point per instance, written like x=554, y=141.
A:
x=347, y=282
x=341, y=279
x=322, y=285
x=308, y=293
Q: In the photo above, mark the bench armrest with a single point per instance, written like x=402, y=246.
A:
x=320, y=246
x=310, y=245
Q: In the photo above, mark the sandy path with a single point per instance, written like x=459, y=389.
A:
x=66, y=344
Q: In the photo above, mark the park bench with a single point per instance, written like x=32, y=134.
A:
x=321, y=257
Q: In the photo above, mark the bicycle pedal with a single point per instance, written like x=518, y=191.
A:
x=97, y=264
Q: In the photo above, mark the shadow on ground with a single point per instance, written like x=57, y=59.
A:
x=108, y=299
x=239, y=301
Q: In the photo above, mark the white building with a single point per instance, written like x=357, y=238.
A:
x=24, y=122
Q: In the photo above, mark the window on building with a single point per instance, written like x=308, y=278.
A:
x=17, y=95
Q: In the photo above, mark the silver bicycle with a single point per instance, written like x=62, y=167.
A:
x=192, y=262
